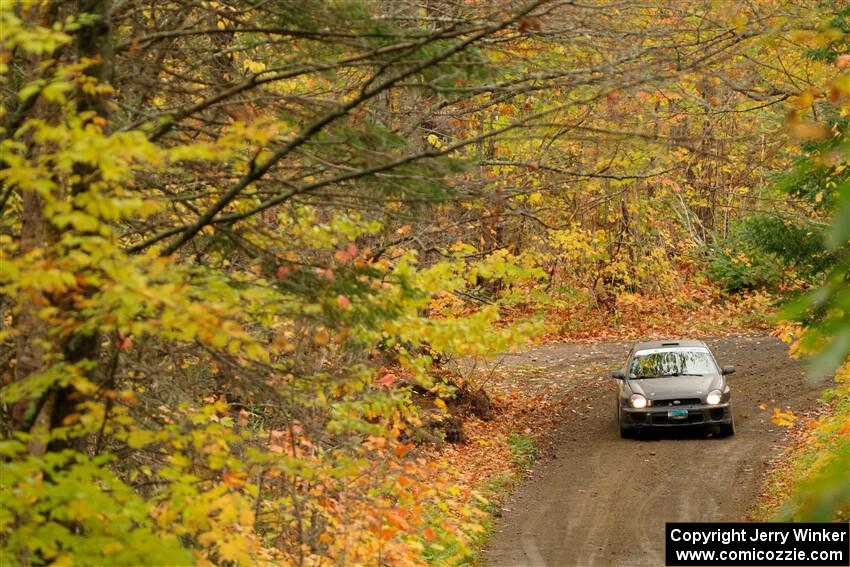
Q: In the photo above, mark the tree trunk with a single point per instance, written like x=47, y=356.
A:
x=36, y=347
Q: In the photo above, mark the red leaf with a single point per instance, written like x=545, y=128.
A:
x=387, y=379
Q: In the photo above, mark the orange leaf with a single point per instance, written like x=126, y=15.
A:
x=234, y=478
x=71, y=419
x=783, y=418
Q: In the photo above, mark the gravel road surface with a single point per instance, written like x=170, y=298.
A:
x=599, y=500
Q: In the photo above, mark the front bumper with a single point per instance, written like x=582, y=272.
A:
x=631, y=418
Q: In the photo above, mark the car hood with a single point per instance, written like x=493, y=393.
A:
x=681, y=386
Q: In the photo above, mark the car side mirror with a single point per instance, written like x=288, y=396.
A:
x=618, y=374
x=727, y=370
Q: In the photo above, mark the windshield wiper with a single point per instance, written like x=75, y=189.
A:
x=664, y=376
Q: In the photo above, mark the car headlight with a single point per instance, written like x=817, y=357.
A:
x=713, y=398
x=637, y=401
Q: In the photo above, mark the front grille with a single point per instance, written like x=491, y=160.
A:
x=672, y=402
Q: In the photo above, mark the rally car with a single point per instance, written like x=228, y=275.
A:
x=673, y=384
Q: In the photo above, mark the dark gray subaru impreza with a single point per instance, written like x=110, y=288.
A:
x=673, y=384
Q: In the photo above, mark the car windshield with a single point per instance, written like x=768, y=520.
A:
x=679, y=362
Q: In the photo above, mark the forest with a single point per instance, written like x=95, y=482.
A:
x=257, y=256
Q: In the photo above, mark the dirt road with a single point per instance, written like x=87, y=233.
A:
x=601, y=500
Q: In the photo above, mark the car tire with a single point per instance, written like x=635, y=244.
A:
x=727, y=429
x=624, y=433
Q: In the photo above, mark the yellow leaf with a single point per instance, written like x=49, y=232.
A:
x=739, y=22
x=805, y=100
x=254, y=66
x=783, y=418
x=256, y=352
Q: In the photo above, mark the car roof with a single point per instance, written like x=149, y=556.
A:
x=669, y=343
